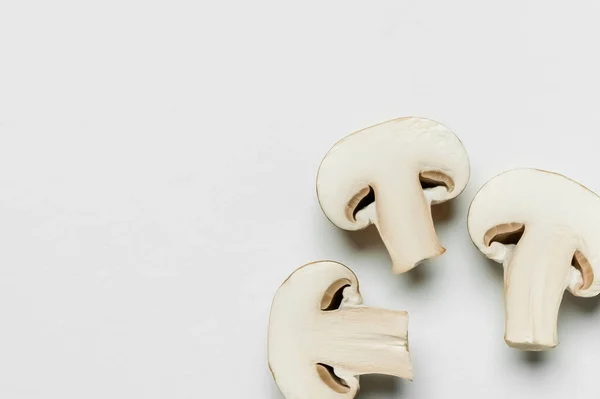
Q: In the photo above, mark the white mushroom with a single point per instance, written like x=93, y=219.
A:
x=545, y=229
x=321, y=337
x=389, y=175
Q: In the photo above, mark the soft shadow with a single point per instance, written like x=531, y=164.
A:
x=494, y=268
x=419, y=274
x=379, y=386
x=578, y=304
x=363, y=239
x=442, y=212
x=535, y=359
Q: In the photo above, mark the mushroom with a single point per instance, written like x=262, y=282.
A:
x=544, y=228
x=389, y=175
x=321, y=337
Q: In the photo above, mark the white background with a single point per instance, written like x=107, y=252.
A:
x=157, y=184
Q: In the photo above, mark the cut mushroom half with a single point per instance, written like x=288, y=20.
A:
x=545, y=229
x=389, y=175
x=321, y=338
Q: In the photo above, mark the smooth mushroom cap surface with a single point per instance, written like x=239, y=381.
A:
x=544, y=228
x=321, y=337
x=389, y=175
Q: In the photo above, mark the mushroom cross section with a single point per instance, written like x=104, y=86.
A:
x=545, y=229
x=389, y=175
x=321, y=337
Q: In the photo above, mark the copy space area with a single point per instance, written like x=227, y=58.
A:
x=157, y=184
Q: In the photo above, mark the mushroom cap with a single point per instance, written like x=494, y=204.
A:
x=386, y=153
x=295, y=307
x=532, y=197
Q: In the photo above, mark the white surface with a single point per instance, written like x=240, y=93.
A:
x=157, y=184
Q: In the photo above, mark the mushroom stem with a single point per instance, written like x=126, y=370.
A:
x=535, y=278
x=364, y=340
x=407, y=230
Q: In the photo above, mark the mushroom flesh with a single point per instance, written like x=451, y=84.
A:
x=389, y=175
x=321, y=338
x=544, y=228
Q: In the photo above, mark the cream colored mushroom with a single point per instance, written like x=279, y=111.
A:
x=545, y=229
x=321, y=337
x=389, y=175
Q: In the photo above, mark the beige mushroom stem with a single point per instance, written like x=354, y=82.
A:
x=407, y=243
x=536, y=276
x=365, y=340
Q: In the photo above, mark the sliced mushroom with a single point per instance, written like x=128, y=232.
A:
x=321, y=337
x=545, y=229
x=389, y=175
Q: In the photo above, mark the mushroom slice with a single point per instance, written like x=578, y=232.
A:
x=389, y=175
x=321, y=338
x=544, y=228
